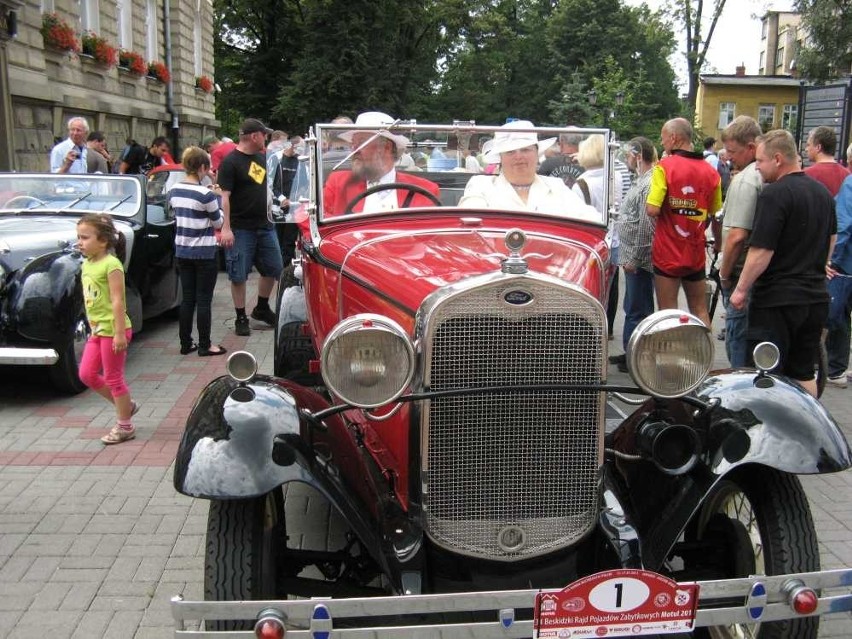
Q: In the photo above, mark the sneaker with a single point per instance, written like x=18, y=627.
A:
x=264, y=315
x=118, y=435
x=618, y=359
x=840, y=381
x=241, y=326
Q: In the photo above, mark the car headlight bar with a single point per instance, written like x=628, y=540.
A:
x=367, y=360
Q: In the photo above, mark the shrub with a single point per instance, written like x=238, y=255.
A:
x=58, y=34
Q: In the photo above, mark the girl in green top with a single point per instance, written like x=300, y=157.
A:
x=102, y=363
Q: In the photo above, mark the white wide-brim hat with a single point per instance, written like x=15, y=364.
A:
x=376, y=118
x=505, y=141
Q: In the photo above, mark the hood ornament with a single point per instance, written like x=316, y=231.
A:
x=515, y=264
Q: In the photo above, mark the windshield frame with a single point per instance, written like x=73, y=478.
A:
x=321, y=159
x=121, y=196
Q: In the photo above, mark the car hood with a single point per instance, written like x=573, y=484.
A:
x=26, y=237
x=407, y=265
x=23, y=238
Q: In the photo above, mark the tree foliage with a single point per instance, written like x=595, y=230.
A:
x=827, y=54
x=295, y=62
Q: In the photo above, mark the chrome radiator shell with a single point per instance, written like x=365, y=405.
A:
x=508, y=476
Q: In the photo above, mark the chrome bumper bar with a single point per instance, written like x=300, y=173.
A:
x=714, y=608
x=10, y=355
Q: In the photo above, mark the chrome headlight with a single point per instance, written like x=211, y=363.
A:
x=367, y=360
x=670, y=353
x=241, y=366
x=3, y=276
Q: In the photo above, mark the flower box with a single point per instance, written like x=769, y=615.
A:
x=159, y=71
x=205, y=83
x=99, y=48
x=58, y=34
x=132, y=62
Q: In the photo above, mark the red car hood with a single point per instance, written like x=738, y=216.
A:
x=407, y=264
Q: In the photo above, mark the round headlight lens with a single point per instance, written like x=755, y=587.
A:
x=670, y=353
x=367, y=360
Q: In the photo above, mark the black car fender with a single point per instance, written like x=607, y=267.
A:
x=752, y=419
x=45, y=298
x=244, y=440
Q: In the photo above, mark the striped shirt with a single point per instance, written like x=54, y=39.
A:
x=197, y=212
x=635, y=227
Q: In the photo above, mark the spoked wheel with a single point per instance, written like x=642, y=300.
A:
x=757, y=521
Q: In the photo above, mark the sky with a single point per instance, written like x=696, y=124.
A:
x=736, y=39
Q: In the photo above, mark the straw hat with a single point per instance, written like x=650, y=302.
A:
x=376, y=118
x=505, y=141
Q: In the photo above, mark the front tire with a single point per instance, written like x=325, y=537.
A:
x=244, y=537
x=760, y=519
x=64, y=374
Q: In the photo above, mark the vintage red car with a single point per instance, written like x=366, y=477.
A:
x=441, y=379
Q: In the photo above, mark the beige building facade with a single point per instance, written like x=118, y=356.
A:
x=42, y=85
x=771, y=100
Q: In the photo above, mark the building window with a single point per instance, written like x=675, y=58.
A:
x=766, y=116
x=779, y=57
x=762, y=64
x=151, y=44
x=90, y=15
x=726, y=113
x=47, y=6
x=790, y=117
x=124, y=17
x=197, y=40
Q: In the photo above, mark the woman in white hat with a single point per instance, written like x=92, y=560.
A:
x=518, y=186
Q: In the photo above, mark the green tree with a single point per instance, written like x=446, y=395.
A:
x=827, y=54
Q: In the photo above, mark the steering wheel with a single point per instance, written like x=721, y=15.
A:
x=28, y=198
x=413, y=189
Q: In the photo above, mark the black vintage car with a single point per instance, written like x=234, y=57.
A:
x=42, y=319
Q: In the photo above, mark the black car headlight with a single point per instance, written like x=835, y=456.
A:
x=670, y=353
x=367, y=360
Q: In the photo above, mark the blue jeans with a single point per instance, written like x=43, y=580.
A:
x=736, y=328
x=837, y=344
x=253, y=247
x=638, y=300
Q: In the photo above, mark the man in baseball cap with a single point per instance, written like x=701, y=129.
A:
x=251, y=125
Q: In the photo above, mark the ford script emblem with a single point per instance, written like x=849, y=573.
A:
x=518, y=297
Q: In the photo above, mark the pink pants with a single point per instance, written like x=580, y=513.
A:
x=98, y=356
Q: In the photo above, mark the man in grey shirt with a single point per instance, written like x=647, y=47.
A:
x=740, y=140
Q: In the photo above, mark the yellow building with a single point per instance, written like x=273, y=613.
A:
x=771, y=100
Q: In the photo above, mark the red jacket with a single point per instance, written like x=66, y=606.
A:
x=341, y=187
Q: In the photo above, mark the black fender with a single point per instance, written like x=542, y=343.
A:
x=46, y=297
x=755, y=420
x=244, y=440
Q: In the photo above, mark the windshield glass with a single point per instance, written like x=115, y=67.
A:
x=51, y=193
x=367, y=170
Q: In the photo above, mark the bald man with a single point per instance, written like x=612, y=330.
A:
x=685, y=193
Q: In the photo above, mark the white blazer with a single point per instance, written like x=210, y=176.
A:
x=547, y=195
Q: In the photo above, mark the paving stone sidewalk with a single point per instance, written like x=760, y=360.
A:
x=94, y=540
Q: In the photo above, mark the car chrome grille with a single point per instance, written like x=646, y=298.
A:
x=513, y=475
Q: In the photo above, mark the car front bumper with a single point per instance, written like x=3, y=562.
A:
x=14, y=356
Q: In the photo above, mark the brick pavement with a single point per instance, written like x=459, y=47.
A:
x=94, y=540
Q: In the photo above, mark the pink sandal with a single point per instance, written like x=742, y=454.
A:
x=118, y=435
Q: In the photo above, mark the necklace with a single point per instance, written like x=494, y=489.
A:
x=521, y=187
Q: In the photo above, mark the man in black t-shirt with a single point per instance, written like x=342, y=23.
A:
x=794, y=230
x=247, y=234
x=564, y=166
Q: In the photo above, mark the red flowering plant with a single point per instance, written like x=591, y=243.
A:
x=58, y=34
x=132, y=61
x=205, y=83
x=98, y=47
x=157, y=69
